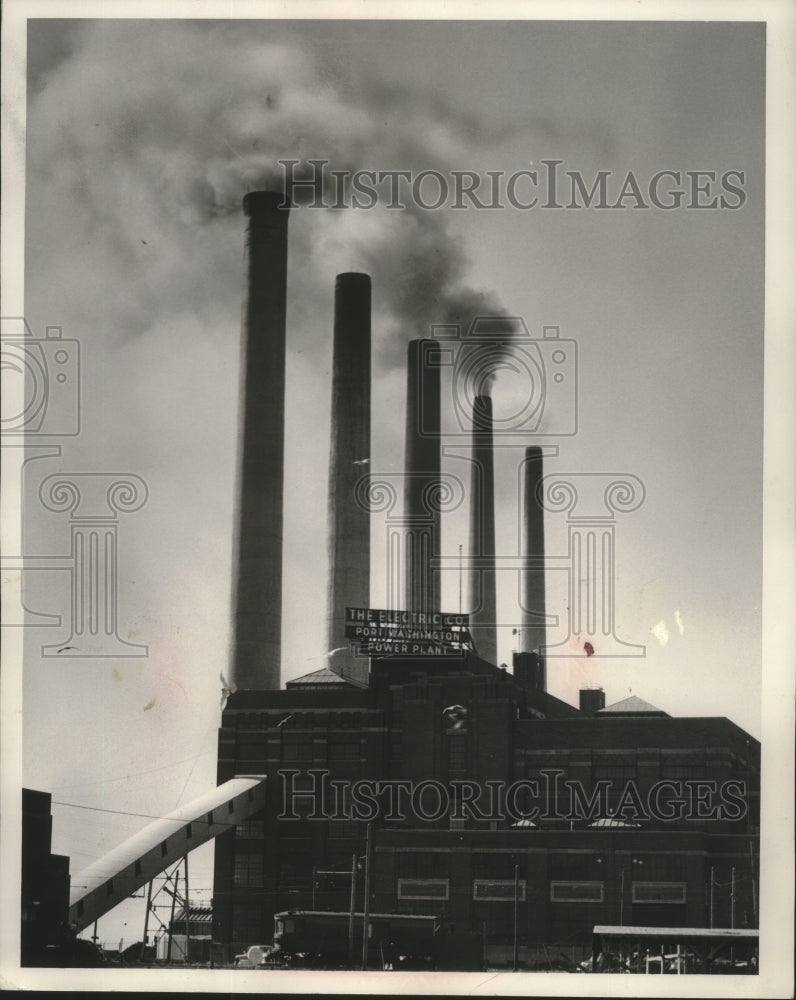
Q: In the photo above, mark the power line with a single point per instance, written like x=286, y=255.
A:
x=136, y=774
x=123, y=812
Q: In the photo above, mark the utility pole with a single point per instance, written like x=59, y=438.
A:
x=712, y=892
x=622, y=898
x=313, y=887
x=732, y=898
x=460, y=579
x=752, y=873
x=173, y=904
x=351, y=911
x=516, y=917
x=146, y=919
x=187, y=916
x=366, y=905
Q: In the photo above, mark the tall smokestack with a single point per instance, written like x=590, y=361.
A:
x=349, y=524
x=422, y=467
x=483, y=600
x=256, y=657
x=532, y=591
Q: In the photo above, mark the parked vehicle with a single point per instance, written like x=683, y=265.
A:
x=259, y=956
x=325, y=939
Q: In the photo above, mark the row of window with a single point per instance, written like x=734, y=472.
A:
x=575, y=869
x=302, y=748
x=583, y=867
x=300, y=720
x=489, y=866
x=621, y=772
x=339, y=829
x=503, y=890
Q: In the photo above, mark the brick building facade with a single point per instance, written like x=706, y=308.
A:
x=618, y=815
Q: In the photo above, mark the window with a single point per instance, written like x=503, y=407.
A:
x=109, y=887
x=164, y=848
x=613, y=768
x=419, y=888
x=576, y=892
x=296, y=748
x=293, y=875
x=498, y=889
x=683, y=771
x=284, y=925
x=457, y=753
x=346, y=748
x=257, y=720
x=248, y=869
x=659, y=892
x=347, y=829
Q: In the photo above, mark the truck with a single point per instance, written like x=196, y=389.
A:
x=333, y=940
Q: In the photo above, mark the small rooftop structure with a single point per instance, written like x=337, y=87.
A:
x=633, y=706
x=322, y=678
x=199, y=917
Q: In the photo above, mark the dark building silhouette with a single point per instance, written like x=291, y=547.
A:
x=575, y=869
x=45, y=881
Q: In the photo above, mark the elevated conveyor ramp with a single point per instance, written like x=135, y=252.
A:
x=128, y=867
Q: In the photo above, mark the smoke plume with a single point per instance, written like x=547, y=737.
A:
x=176, y=163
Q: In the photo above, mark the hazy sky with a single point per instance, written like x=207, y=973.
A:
x=142, y=138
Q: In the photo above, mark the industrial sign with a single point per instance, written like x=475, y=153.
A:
x=375, y=631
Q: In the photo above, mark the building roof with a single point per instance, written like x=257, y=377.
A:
x=694, y=933
x=318, y=678
x=198, y=915
x=632, y=706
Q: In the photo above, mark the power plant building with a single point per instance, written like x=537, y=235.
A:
x=574, y=871
x=489, y=802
